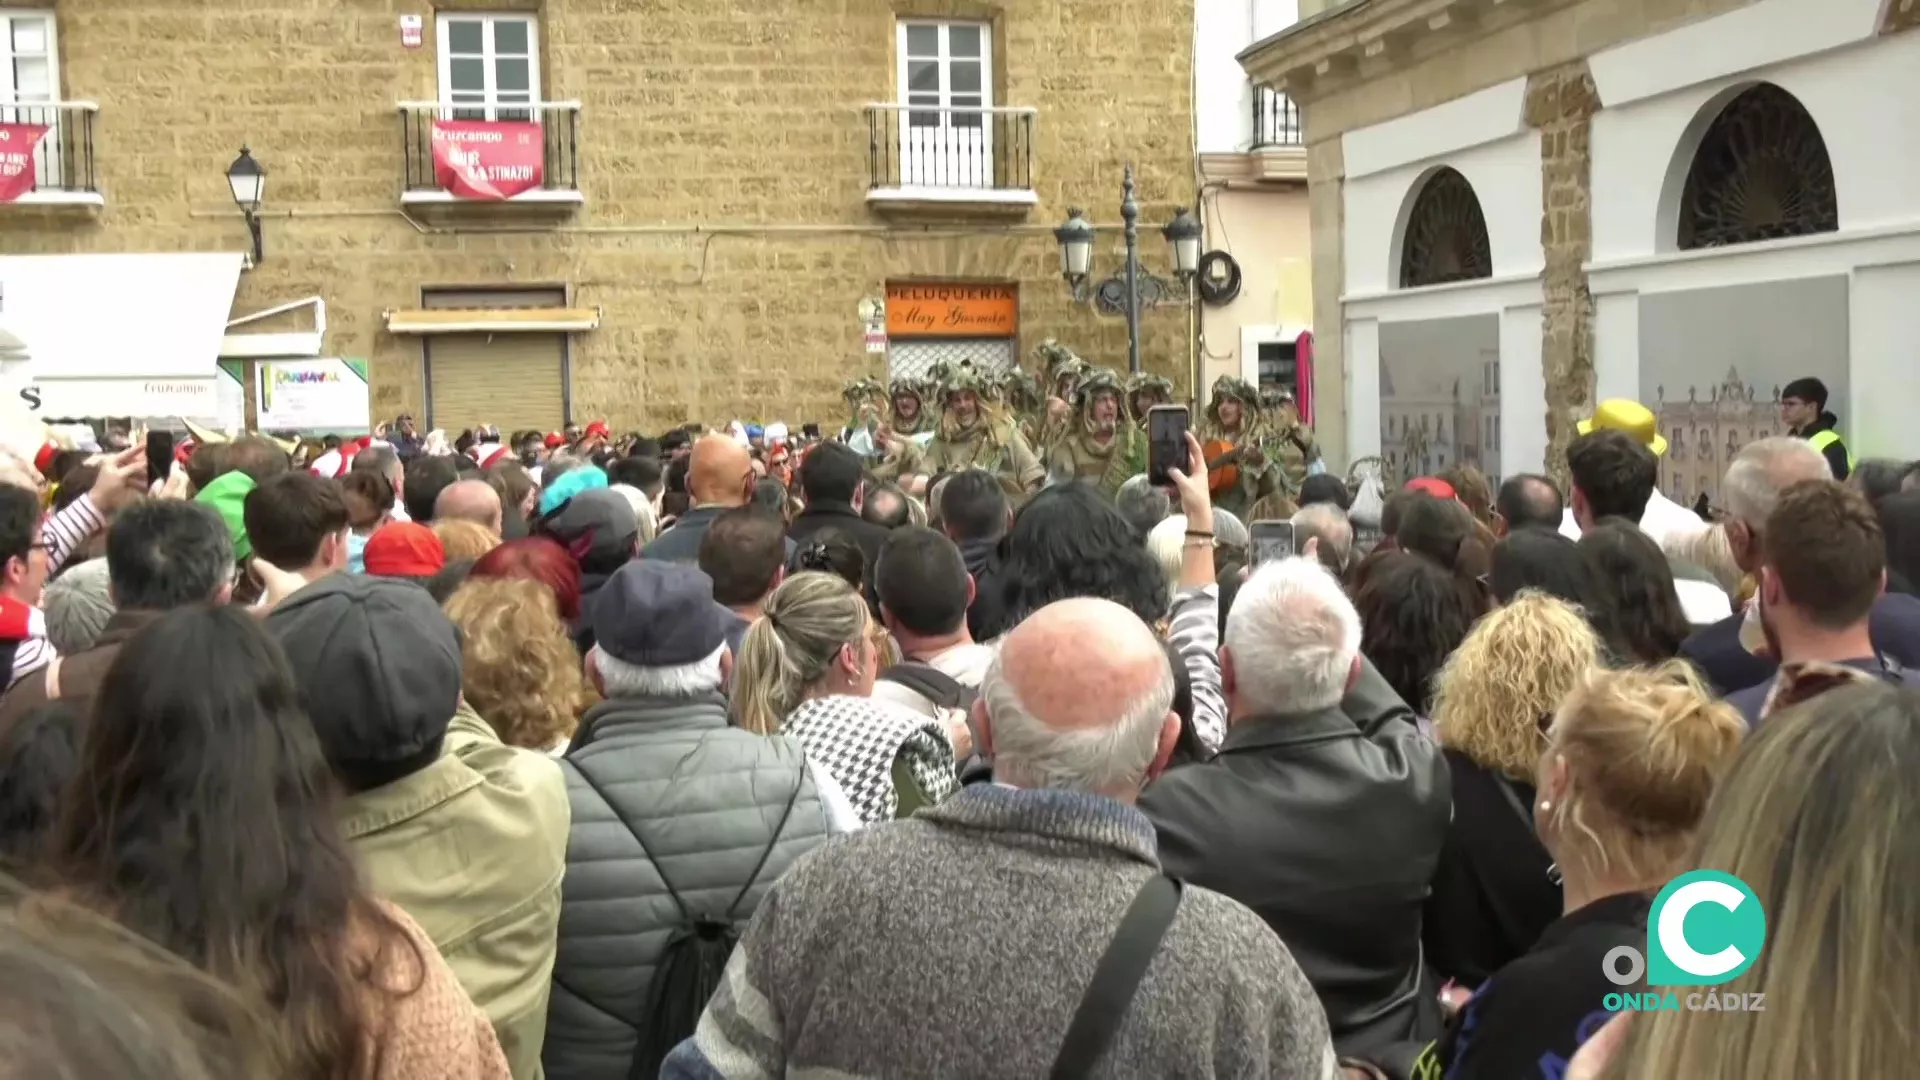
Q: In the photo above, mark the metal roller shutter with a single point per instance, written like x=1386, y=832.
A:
x=509, y=380
x=912, y=359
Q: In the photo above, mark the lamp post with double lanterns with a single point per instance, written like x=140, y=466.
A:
x=248, y=182
x=1131, y=289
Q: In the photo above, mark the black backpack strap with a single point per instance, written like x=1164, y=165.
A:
x=1117, y=977
x=930, y=683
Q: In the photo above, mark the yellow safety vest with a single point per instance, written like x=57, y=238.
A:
x=1820, y=440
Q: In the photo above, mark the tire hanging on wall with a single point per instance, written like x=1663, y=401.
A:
x=1219, y=278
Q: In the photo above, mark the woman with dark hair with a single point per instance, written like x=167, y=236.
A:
x=1900, y=524
x=1551, y=563
x=831, y=551
x=1878, y=478
x=220, y=843
x=37, y=758
x=1070, y=542
x=1635, y=588
x=1413, y=614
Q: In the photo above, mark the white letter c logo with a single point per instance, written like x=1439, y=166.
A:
x=1672, y=928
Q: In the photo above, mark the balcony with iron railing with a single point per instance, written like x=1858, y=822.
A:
x=924, y=158
x=57, y=168
x=462, y=154
x=1278, y=148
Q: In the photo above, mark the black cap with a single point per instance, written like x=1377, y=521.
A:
x=379, y=670
x=657, y=614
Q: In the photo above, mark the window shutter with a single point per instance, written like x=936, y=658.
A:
x=510, y=380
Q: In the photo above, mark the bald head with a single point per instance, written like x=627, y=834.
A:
x=469, y=500
x=1078, y=699
x=720, y=472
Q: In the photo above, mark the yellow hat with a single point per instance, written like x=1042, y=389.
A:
x=1631, y=417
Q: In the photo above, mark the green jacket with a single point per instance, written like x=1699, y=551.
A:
x=473, y=847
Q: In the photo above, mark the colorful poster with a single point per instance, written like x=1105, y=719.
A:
x=311, y=395
x=488, y=159
x=16, y=158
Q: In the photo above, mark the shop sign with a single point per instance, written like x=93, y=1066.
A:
x=412, y=31
x=310, y=395
x=487, y=159
x=16, y=158
x=922, y=310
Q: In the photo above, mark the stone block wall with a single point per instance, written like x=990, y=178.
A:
x=723, y=156
x=1560, y=104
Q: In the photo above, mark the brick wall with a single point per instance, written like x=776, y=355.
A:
x=723, y=157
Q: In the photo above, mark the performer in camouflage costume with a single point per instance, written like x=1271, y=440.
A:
x=1026, y=401
x=1064, y=372
x=908, y=414
x=1289, y=442
x=1144, y=391
x=863, y=398
x=1233, y=438
x=1102, y=446
x=974, y=435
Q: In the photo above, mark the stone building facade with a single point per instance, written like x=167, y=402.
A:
x=716, y=208
x=1616, y=219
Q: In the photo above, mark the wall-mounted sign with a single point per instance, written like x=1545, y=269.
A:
x=16, y=158
x=876, y=335
x=917, y=309
x=412, y=31
x=311, y=395
x=487, y=159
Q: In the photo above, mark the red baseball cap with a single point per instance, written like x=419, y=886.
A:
x=598, y=429
x=555, y=440
x=404, y=549
x=1432, y=485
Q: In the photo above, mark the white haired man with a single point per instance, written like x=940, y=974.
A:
x=1759, y=473
x=1329, y=828
x=976, y=926
x=678, y=817
x=1328, y=526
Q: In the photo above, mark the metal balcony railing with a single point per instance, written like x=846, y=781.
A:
x=63, y=159
x=559, y=136
x=927, y=147
x=1276, y=119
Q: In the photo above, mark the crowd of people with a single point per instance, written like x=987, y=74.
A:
x=943, y=746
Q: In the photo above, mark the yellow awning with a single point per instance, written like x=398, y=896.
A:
x=492, y=320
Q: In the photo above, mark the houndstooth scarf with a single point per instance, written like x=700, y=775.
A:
x=857, y=741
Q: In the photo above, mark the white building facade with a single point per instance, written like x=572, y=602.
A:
x=1592, y=202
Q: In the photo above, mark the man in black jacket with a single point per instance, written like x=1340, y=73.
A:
x=1325, y=810
x=831, y=479
x=973, y=512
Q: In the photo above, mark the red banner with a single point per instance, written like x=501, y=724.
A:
x=16, y=158
x=1303, y=374
x=487, y=159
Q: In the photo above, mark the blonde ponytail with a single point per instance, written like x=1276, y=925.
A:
x=808, y=620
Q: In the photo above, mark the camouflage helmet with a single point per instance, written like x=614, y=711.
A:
x=1272, y=397
x=901, y=385
x=1056, y=357
x=1228, y=386
x=935, y=380
x=856, y=391
x=965, y=376
x=1098, y=379
x=1143, y=382
x=1021, y=390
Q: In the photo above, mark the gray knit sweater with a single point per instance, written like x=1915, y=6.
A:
x=958, y=944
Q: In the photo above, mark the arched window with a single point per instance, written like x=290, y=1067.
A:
x=1446, y=238
x=1761, y=173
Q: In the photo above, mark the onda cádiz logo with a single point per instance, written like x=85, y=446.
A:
x=1705, y=928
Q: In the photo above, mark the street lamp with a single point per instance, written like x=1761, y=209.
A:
x=1131, y=289
x=248, y=182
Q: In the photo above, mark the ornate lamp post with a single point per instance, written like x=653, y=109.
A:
x=249, y=183
x=1132, y=288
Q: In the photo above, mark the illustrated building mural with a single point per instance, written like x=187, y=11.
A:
x=1704, y=432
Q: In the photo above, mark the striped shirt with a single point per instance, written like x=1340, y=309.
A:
x=1195, y=633
x=61, y=534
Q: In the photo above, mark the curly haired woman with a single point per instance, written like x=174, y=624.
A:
x=1496, y=889
x=520, y=671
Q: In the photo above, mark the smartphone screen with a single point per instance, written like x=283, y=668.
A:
x=1166, y=442
x=159, y=456
x=1271, y=540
